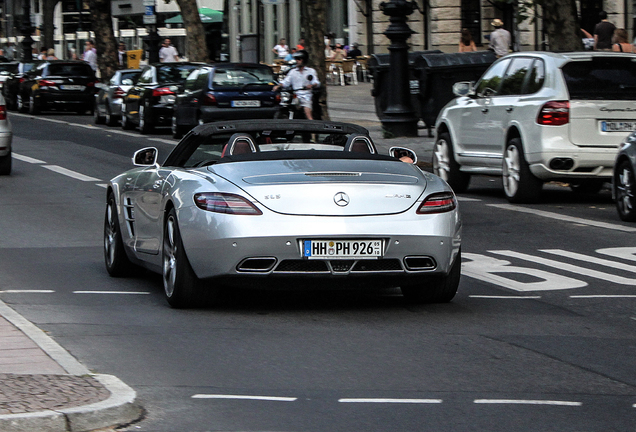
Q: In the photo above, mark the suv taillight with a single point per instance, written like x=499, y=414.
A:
x=3, y=112
x=46, y=83
x=554, y=113
x=209, y=99
x=162, y=91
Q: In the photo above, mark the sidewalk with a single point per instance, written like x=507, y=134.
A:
x=44, y=389
x=354, y=104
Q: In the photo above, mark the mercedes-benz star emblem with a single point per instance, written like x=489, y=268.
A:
x=341, y=199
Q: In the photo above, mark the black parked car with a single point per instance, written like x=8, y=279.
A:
x=58, y=84
x=12, y=83
x=227, y=91
x=150, y=101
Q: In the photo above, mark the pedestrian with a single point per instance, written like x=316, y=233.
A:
x=42, y=55
x=620, y=41
x=123, y=58
x=301, y=44
x=338, y=54
x=499, y=38
x=290, y=57
x=466, y=42
x=90, y=54
x=50, y=54
x=603, y=33
x=354, y=52
x=281, y=49
x=302, y=80
x=10, y=52
x=168, y=53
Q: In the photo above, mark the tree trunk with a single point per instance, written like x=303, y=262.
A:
x=107, y=56
x=197, y=49
x=48, y=8
x=562, y=25
x=314, y=22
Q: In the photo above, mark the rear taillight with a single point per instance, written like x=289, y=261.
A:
x=119, y=93
x=162, y=91
x=438, y=203
x=3, y=112
x=46, y=83
x=209, y=99
x=90, y=84
x=225, y=203
x=554, y=113
x=22, y=80
x=277, y=98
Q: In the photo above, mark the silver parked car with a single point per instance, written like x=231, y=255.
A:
x=624, y=180
x=109, y=99
x=291, y=201
x=6, y=136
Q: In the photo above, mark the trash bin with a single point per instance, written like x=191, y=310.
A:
x=379, y=65
x=438, y=72
x=133, y=57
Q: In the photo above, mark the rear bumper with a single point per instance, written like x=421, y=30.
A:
x=210, y=114
x=60, y=98
x=5, y=143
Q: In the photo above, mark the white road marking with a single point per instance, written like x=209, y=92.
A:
x=527, y=402
x=385, y=400
x=27, y=159
x=27, y=291
x=461, y=198
x=604, y=296
x=67, y=172
x=163, y=140
x=564, y=218
x=102, y=185
x=110, y=292
x=504, y=297
x=591, y=259
x=264, y=398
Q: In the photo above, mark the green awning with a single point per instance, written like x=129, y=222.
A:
x=207, y=16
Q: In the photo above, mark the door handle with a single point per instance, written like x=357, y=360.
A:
x=509, y=109
x=484, y=110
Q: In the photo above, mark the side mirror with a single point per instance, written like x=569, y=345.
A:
x=145, y=157
x=463, y=88
x=404, y=154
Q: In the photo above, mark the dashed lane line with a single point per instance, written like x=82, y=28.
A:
x=112, y=292
x=70, y=173
x=12, y=291
x=505, y=297
x=27, y=159
x=244, y=397
x=604, y=296
x=390, y=400
x=527, y=402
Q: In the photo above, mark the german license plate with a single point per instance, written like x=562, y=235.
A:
x=72, y=87
x=320, y=249
x=617, y=126
x=246, y=103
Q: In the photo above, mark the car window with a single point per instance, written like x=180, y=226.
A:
x=202, y=80
x=8, y=68
x=516, y=73
x=146, y=77
x=535, y=78
x=228, y=78
x=601, y=78
x=69, y=69
x=190, y=82
x=174, y=73
x=489, y=83
x=132, y=76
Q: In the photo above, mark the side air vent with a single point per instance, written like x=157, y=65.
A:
x=419, y=263
x=261, y=264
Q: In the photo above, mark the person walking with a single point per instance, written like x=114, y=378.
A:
x=621, y=43
x=466, y=42
x=168, y=53
x=122, y=57
x=603, y=33
x=499, y=38
x=302, y=80
x=90, y=54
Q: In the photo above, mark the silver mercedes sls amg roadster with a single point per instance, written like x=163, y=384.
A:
x=283, y=202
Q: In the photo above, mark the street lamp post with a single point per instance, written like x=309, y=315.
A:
x=399, y=116
x=26, y=28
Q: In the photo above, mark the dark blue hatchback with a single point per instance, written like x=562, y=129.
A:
x=227, y=91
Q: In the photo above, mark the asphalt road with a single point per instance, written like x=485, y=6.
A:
x=541, y=336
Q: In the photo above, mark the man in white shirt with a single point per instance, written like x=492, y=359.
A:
x=90, y=54
x=168, y=53
x=499, y=38
x=302, y=80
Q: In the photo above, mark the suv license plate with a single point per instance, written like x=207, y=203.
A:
x=318, y=249
x=617, y=126
x=246, y=103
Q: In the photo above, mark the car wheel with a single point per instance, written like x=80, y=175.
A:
x=145, y=125
x=125, y=121
x=181, y=286
x=109, y=118
x=435, y=289
x=520, y=185
x=445, y=166
x=624, y=189
x=5, y=164
x=117, y=262
x=33, y=106
x=97, y=117
x=22, y=107
x=81, y=110
x=177, y=130
x=592, y=186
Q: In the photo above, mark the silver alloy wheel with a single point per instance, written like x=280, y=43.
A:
x=510, y=170
x=19, y=102
x=174, y=125
x=142, y=115
x=625, y=190
x=169, y=258
x=32, y=103
x=107, y=117
x=441, y=159
x=110, y=237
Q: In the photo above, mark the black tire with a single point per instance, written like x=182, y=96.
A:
x=182, y=287
x=81, y=110
x=590, y=186
x=109, y=118
x=145, y=120
x=125, y=121
x=520, y=185
x=435, y=289
x=178, y=131
x=445, y=166
x=117, y=262
x=283, y=113
x=624, y=190
x=97, y=117
x=5, y=164
x=34, y=108
x=21, y=105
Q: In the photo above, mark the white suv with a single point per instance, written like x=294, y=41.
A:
x=539, y=116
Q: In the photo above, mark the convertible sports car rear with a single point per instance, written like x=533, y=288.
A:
x=295, y=202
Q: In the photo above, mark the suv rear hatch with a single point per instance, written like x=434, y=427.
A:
x=602, y=99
